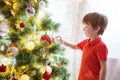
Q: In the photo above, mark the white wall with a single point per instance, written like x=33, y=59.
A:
x=112, y=36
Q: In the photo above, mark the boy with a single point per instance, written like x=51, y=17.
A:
x=93, y=65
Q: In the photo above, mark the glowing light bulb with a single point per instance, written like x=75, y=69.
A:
x=30, y=45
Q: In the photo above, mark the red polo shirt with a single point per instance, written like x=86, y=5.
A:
x=93, y=52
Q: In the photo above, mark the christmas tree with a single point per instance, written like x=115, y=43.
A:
x=28, y=49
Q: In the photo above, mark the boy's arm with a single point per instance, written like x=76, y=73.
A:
x=59, y=40
x=69, y=44
x=103, y=70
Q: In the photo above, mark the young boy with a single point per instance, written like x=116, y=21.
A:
x=93, y=65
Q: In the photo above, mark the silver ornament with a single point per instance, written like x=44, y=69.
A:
x=3, y=28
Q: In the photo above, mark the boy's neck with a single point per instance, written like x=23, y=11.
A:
x=93, y=38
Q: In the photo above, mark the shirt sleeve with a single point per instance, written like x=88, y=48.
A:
x=81, y=44
x=102, y=52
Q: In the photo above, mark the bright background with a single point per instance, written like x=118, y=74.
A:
x=70, y=12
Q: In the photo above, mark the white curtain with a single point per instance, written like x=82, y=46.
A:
x=69, y=13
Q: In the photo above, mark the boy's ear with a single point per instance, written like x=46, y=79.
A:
x=97, y=29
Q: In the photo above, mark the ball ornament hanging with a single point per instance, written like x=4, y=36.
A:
x=58, y=39
x=47, y=74
x=22, y=25
x=48, y=69
x=3, y=68
x=42, y=4
x=46, y=38
x=12, y=50
x=30, y=10
x=3, y=27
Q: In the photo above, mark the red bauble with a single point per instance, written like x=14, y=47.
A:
x=46, y=38
x=22, y=25
x=46, y=75
x=3, y=68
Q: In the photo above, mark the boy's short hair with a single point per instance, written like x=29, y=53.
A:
x=96, y=19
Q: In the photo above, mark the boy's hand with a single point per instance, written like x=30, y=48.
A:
x=59, y=39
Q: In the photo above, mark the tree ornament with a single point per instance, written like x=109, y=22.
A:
x=48, y=69
x=42, y=4
x=22, y=25
x=3, y=68
x=30, y=10
x=12, y=50
x=24, y=77
x=30, y=45
x=58, y=39
x=46, y=75
x=2, y=47
x=46, y=38
x=16, y=6
x=3, y=28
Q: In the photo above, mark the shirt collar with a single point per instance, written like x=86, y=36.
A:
x=94, y=41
